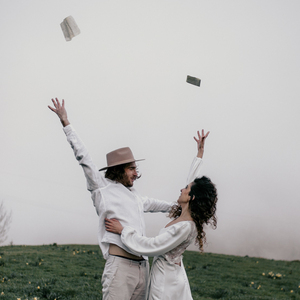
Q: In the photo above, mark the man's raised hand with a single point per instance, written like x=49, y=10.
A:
x=60, y=110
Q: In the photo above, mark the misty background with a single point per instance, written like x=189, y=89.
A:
x=124, y=83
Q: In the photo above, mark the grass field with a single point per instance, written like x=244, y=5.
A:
x=74, y=272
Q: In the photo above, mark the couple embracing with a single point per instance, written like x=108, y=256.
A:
x=121, y=232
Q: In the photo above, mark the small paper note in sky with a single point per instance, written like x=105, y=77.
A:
x=193, y=80
x=69, y=28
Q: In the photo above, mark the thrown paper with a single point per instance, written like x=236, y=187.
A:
x=193, y=80
x=69, y=28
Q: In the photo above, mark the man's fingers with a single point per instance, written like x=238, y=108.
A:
x=51, y=108
x=55, y=103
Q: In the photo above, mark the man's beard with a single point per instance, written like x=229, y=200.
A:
x=126, y=181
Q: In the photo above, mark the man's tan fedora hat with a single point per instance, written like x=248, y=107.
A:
x=119, y=157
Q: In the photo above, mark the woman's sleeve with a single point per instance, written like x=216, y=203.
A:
x=154, y=205
x=158, y=245
x=195, y=169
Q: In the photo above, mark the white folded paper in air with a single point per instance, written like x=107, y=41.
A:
x=69, y=28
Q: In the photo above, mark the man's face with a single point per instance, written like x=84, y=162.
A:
x=130, y=174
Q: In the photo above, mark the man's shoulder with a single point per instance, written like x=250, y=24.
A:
x=111, y=184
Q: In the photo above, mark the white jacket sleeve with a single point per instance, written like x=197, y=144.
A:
x=93, y=178
x=158, y=245
x=194, y=169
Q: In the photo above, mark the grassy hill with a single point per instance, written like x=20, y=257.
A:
x=74, y=272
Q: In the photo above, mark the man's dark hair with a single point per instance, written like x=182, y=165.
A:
x=117, y=173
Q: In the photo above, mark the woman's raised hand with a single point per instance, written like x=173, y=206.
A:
x=200, y=142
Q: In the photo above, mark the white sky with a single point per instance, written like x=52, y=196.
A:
x=124, y=82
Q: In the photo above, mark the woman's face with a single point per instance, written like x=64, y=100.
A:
x=184, y=196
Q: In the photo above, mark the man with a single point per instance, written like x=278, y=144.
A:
x=125, y=275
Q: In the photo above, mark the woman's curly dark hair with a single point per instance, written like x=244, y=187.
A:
x=202, y=207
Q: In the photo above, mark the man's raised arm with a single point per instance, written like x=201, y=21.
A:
x=94, y=180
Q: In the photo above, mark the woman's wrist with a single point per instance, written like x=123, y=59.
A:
x=200, y=153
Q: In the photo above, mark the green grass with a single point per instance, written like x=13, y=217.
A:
x=215, y=276
x=74, y=272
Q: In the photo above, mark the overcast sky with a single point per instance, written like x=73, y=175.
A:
x=124, y=82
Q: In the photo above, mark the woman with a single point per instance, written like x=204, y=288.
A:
x=195, y=207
